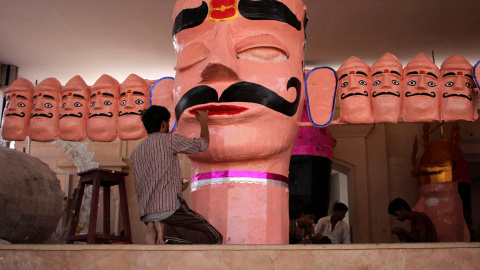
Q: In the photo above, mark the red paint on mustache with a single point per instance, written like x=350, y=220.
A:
x=220, y=109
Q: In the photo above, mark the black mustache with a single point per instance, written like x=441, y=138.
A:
x=110, y=114
x=445, y=95
x=15, y=114
x=49, y=115
x=140, y=112
x=409, y=94
x=79, y=115
x=241, y=92
x=375, y=94
x=365, y=93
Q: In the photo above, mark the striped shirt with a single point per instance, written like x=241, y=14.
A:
x=156, y=170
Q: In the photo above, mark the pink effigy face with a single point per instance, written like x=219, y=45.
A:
x=421, y=102
x=74, y=110
x=102, y=114
x=458, y=98
x=45, y=111
x=355, y=92
x=244, y=63
x=134, y=98
x=387, y=78
x=16, y=116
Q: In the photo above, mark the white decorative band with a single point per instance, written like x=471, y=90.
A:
x=242, y=180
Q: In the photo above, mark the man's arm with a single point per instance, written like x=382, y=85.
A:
x=416, y=236
x=346, y=234
x=202, y=117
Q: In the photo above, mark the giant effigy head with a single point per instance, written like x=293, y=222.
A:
x=355, y=92
x=421, y=85
x=134, y=99
x=387, y=92
x=75, y=98
x=458, y=98
x=16, y=116
x=45, y=111
x=103, y=110
x=242, y=61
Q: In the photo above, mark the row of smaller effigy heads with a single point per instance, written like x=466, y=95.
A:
x=102, y=112
x=388, y=93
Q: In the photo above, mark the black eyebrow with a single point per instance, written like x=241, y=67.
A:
x=449, y=74
x=49, y=97
x=268, y=10
x=123, y=94
x=377, y=73
x=433, y=75
x=23, y=97
x=343, y=76
x=35, y=96
x=93, y=95
x=413, y=72
x=362, y=73
x=138, y=93
x=64, y=96
x=189, y=18
x=396, y=72
x=108, y=95
x=469, y=76
x=79, y=96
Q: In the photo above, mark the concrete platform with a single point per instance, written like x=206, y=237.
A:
x=354, y=256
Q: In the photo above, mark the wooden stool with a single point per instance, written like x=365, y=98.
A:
x=106, y=179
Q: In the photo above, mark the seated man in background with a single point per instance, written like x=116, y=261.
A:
x=422, y=228
x=301, y=229
x=333, y=226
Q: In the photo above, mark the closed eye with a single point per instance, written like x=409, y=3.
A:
x=263, y=54
x=191, y=55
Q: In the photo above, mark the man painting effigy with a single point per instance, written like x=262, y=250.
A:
x=16, y=117
x=242, y=61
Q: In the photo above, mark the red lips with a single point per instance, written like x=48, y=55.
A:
x=220, y=109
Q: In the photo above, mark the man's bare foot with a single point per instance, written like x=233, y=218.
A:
x=151, y=236
x=160, y=236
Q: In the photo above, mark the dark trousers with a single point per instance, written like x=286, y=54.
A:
x=186, y=226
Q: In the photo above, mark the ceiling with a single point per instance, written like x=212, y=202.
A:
x=59, y=38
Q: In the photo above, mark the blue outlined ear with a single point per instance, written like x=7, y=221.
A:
x=476, y=73
x=161, y=95
x=321, y=89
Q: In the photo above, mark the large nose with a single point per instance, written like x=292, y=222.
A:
x=353, y=82
x=386, y=83
x=98, y=103
x=130, y=102
x=222, y=64
x=422, y=83
x=458, y=83
x=69, y=104
x=39, y=104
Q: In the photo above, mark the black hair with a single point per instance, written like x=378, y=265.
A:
x=397, y=204
x=309, y=209
x=153, y=118
x=340, y=207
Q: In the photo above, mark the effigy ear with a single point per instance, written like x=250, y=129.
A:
x=161, y=95
x=321, y=89
x=476, y=74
